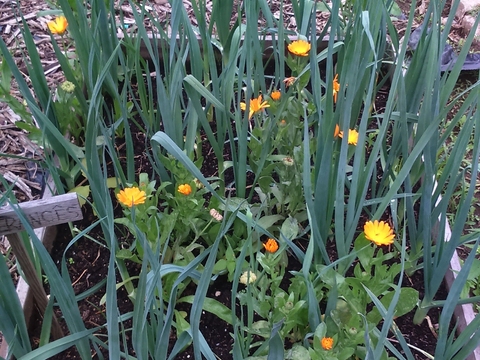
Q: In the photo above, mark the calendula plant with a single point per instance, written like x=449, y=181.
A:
x=273, y=305
x=343, y=332
x=173, y=219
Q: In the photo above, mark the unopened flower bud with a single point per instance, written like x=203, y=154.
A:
x=68, y=87
x=353, y=331
x=198, y=184
x=216, y=215
x=288, y=161
x=289, y=305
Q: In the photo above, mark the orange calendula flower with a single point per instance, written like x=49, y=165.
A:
x=336, y=88
x=299, y=47
x=256, y=105
x=132, y=196
x=275, y=95
x=271, y=245
x=352, y=136
x=289, y=81
x=184, y=189
x=58, y=26
x=337, y=131
x=379, y=232
x=327, y=343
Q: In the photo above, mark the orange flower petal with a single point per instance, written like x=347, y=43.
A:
x=379, y=232
x=131, y=196
x=327, y=343
x=299, y=47
x=58, y=26
x=271, y=246
x=184, y=189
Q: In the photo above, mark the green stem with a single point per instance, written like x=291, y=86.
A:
x=421, y=311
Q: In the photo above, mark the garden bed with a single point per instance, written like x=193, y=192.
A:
x=88, y=257
x=87, y=264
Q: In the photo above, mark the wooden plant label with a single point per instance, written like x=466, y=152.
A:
x=41, y=213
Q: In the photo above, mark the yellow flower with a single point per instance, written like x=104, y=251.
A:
x=184, y=189
x=378, y=232
x=271, y=245
x=289, y=81
x=327, y=343
x=352, y=136
x=336, y=88
x=256, y=105
x=132, y=196
x=282, y=123
x=58, y=26
x=299, y=47
x=275, y=95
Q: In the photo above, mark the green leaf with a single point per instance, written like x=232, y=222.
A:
x=181, y=324
x=342, y=313
x=127, y=254
x=267, y=221
x=474, y=272
x=395, y=10
x=202, y=90
x=220, y=266
x=365, y=250
x=345, y=354
x=212, y=306
x=290, y=228
x=407, y=301
x=321, y=330
x=298, y=352
x=112, y=182
x=83, y=192
x=261, y=328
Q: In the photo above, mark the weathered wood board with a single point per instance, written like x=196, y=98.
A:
x=41, y=213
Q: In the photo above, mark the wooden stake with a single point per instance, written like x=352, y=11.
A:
x=39, y=213
x=33, y=281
